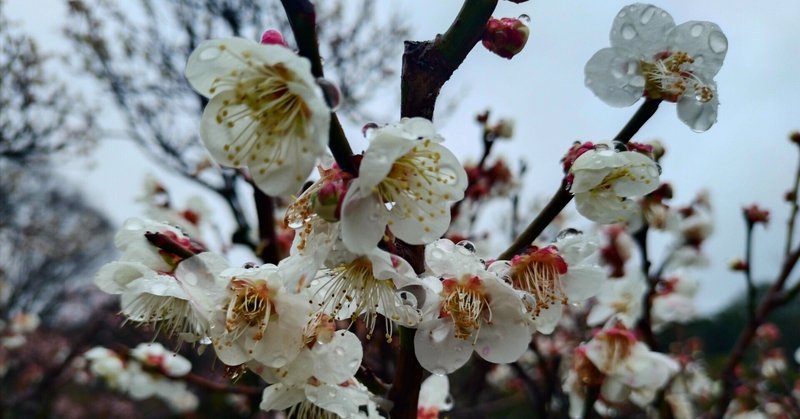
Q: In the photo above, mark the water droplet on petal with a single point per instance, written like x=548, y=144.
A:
x=367, y=128
x=696, y=30
x=209, y=53
x=436, y=253
x=654, y=170
x=466, y=244
x=628, y=32
x=339, y=351
x=439, y=371
x=717, y=42
x=331, y=93
x=311, y=397
x=647, y=15
x=601, y=147
x=524, y=18
x=279, y=361
x=637, y=81
x=567, y=233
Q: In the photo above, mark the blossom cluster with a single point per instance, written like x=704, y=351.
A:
x=368, y=247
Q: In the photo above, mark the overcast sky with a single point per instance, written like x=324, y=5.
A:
x=744, y=158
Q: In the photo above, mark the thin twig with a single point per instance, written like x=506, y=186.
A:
x=645, y=324
x=748, y=276
x=794, y=211
x=562, y=197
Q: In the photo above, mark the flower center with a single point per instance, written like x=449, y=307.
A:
x=465, y=302
x=668, y=78
x=352, y=286
x=539, y=273
x=412, y=187
x=250, y=306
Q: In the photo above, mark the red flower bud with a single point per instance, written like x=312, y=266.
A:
x=505, y=37
x=273, y=37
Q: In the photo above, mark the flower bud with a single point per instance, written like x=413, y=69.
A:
x=327, y=201
x=737, y=265
x=505, y=37
x=273, y=37
x=754, y=215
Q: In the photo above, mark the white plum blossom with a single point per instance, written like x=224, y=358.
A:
x=604, y=181
x=319, y=381
x=156, y=356
x=265, y=110
x=674, y=302
x=434, y=397
x=407, y=181
x=259, y=320
x=632, y=371
x=553, y=276
x=650, y=56
x=620, y=300
x=158, y=286
x=368, y=285
x=468, y=308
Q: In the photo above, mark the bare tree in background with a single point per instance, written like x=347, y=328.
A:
x=38, y=115
x=137, y=54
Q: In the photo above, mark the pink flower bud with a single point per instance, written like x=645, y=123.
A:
x=273, y=37
x=505, y=37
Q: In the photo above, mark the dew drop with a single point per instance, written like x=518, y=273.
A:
x=567, y=233
x=295, y=224
x=616, y=73
x=436, y=253
x=621, y=14
x=588, y=81
x=339, y=351
x=279, y=361
x=637, y=81
x=696, y=30
x=524, y=18
x=466, y=244
x=439, y=371
x=209, y=53
x=647, y=15
x=331, y=93
x=628, y=32
x=600, y=147
x=369, y=126
x=311, y=397
x=717, y=42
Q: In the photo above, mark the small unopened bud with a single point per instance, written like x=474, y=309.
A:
x=505, y=37
x=755, y=215
x=768, y=332
x=273, y=37
x=482, y=117
x=574, y=152
x=790, y=196
x=504, y=128
x=795, y=137
x=327, y=201
x=658, y=150
x=737, y=265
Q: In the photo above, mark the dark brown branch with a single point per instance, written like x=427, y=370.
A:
x=302, y=19
x=267, y=248
x=793, y=214
x=209, y=384
x=645, y=325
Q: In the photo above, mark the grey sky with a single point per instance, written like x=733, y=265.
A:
x=744, y=158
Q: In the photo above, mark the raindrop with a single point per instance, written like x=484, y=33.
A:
x=439, y=371
x=637, y=81
x=339, y=351
x=647, y=15
x=588, y=81
x=373, y=217
x=616, y=73
x=628, y=32
x=600, y=147
x=524, y=18
x=436, y=253
x=621, y=14
x=696, y=30
x=311, y=397
x=333, y=97
x=331, y=394
x=633, y=67
x=210, y=53
x=369, y=126
x=619, y=146
x=717, y=42
x=279, y=361
x=567, y=233
x=459, y=349
x=354, y=364
x=295, y=224
x=466, y=244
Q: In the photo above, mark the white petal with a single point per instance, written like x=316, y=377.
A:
x=582, y=282
x=699, y=116
x=435, y=392
x=437, y=348
x=605, y=207
x=641, y=28
x=279, y=397
x=114, y=277
x=338, y=360
x=614, y=76
x=703, y=41
x=380, y=156
x=641, y=175
x=506, y=337
x=363, y=221
x=344, y=401
x=548, y=318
